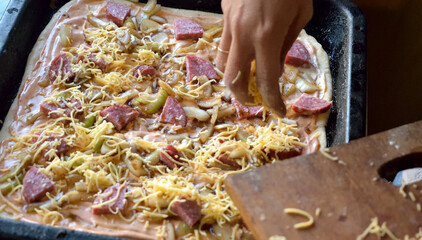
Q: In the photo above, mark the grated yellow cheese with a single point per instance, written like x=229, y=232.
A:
x=300, y=212
x=377, y=230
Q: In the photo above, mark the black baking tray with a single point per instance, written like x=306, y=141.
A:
x=338, y=25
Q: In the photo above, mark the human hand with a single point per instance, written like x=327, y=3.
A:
x=263, y=30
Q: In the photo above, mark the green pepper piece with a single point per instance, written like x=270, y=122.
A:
x=13, y=173
x=78, y=163
x=141, y=101
x=65, y=95
x=242, y=135
x=7, y=187
x=97, y=147
x=89, y=121
x=159, y=101
x=49, y=204
x=155, y=47
x=182, y=229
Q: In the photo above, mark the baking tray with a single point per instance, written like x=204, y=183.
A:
x=337, y=24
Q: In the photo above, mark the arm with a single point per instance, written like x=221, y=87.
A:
x=263, y=30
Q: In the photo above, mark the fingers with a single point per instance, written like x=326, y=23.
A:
x=224, y=46
x=268, y=70
x=236, y=76
x=223, y=49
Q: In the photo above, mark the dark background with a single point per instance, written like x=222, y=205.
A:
x=394, y=62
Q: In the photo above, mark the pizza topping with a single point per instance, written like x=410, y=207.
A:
x=189, y=211
x=170, y=156
x=144, y=70
x=187, y=29
x=173, y=113
x=243, y=112
x=60, y=147
x=35, y=185
x=117, y=13
x=224, y=158
x=119, y=115
x=153, y=106
x=196, y=66
x=298, y=55
x=64, y=107
x=309, y=105
x=285, y=154
x=60, y=69
x=97, y=60
x=112, y=200
x=65, y=34
x=48, y=141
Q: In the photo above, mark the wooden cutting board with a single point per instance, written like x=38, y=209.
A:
x=349, y=196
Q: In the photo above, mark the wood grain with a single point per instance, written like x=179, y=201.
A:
x=348, y=195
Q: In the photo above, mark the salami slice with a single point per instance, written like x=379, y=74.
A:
x=119, y=115
x=60, y=68
x=309, y=105
x=298, y=55
x=173, y=113
x=187, y=29
x=188, y=211
x=144, y=70
x=224, y=158
x=36, y=185
x=60, y=145
x=50, y=109
x=196, y=66
x=99, y=61
x=243, y=112
x=117, y=13
x=174, y=156
x=115, y=194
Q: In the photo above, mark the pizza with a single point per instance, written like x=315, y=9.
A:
x=123, y=126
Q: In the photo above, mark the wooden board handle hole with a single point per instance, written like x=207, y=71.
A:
x=389, y=170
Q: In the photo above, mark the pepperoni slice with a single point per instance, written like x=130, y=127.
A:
x=173, y=113
x=243, y=112
x=309, y=105
x=60, y=67
x=119, y=115
x=68, y=105
x=118, y=203
x=224, y=158
x=174, y=155
x=60, y=145
x=144, y=70
x=285, y=154
x=187, y=29
x=117, y=13
x=196, y=66
x=35, y=185
x=188, y=211
x=99, y=61
x=298, y=55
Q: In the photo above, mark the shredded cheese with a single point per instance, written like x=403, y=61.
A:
x=276, y=237
x=300, y=212
x=377, y=230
